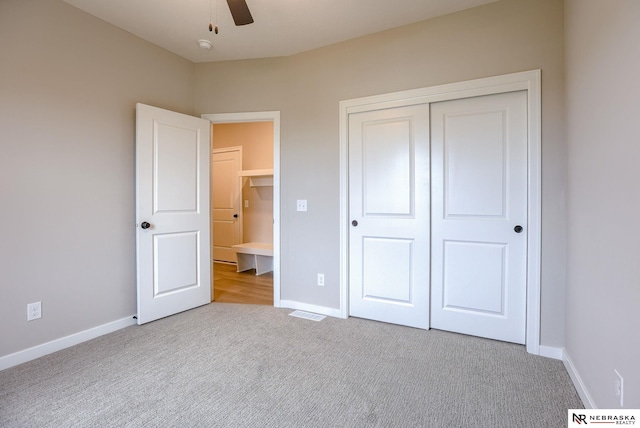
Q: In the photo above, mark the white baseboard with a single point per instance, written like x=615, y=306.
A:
x=62, y=343
x=577, y=381
x=550, y=352
x=322, y=310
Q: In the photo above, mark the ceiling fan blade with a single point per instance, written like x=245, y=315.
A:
x=240, y=12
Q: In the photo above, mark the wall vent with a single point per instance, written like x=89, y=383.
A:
x=307, y=315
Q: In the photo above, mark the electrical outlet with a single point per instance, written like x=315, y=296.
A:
x=619, y=387
x=34, y=311
x=321, y=279
x=301, y=204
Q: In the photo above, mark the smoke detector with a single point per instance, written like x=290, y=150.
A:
x=204, y=44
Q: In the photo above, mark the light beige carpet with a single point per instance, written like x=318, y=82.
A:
x=226, y=365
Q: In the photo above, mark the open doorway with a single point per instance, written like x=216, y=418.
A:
x=247, y=148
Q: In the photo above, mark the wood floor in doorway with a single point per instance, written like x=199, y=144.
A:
x=241, y=287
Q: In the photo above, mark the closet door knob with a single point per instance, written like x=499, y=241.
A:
x=145, y=225
x=235, y=216
x=517, y=229
x=354, y=223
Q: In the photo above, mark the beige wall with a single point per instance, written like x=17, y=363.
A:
x=68, y=87
x=603, y=263
x=503, y=37
x=256, y=140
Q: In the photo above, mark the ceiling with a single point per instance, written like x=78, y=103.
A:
x=281, y=27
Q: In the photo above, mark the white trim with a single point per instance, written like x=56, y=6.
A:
x=551, y=352
x=322, y=310
x=344, y=209
x=63, y=342
x=527, y=80
x=535, y=209
x=264, y=116
x=577, y=382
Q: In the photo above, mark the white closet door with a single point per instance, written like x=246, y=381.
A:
x=226, y=201
x=389, y=215
x=479, y=216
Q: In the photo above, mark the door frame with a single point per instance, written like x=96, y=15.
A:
x=528, y=81
x=263, y=116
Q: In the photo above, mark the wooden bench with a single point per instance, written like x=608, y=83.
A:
x=254, y=255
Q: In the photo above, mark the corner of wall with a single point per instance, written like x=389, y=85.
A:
x=581, y=388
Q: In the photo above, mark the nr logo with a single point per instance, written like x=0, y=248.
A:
x=580, y=419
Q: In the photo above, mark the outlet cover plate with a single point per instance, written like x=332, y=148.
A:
x=619, y=387
x=34, y=311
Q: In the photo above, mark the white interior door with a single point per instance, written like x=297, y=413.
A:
x=172, y=212
x=389, y=211
x=479, y=203
x=226, y=202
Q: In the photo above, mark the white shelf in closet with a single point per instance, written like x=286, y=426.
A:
x=258, y=177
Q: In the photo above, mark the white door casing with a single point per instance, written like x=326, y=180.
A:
x=226, y=200
x=259, y=116
x=172, y=203
x=389, y=237
x=528, y=81
x=479, y=196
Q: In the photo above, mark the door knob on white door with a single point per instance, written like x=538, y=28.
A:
x=145, y=225
x=517, y=229
x=354, y=223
